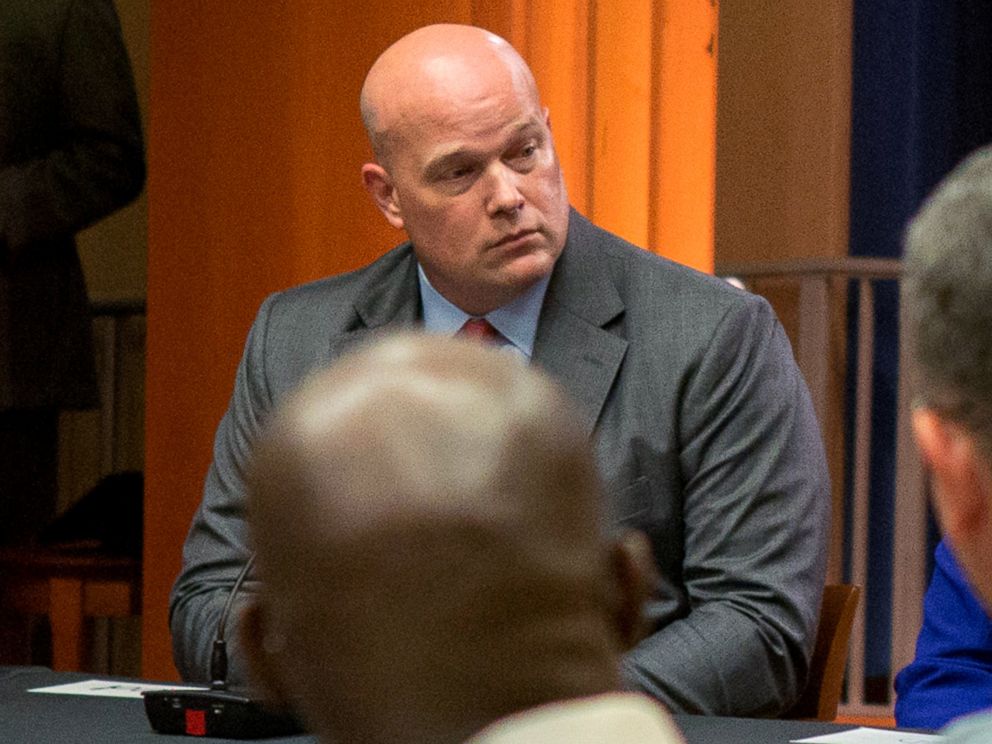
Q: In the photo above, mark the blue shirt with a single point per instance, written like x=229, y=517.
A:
x=516, y=321
x=952, y=672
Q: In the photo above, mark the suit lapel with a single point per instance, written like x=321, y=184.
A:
x=572, y=342
x=388, y=301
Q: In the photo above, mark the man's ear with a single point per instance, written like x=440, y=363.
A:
x=951, y=453
x=635, y=576
x=379, y=184
x=263, y=666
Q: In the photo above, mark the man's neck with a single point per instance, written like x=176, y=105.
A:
x=516, y=321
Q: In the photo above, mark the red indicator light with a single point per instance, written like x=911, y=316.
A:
x=196, y=723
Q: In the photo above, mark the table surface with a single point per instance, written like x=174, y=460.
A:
x=27, y=718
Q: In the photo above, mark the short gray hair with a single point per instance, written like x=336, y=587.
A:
x=947, y=296
x=370, y=120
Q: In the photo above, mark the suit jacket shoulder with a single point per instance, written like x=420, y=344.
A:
x=637, y=281
x=609, y=300
x=308, y=325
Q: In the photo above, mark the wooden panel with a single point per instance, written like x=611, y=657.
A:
x=783, y=129
x=66, y=616
x=110, y=599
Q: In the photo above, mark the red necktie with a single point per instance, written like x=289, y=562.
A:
x=481, y=330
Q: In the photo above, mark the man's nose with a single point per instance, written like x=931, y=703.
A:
x=504, y=196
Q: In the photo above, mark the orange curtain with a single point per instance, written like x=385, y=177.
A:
x=255, y=146
x=631, y=87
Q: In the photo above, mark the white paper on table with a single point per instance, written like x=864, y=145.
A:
x=108, y=688
x=864, y=735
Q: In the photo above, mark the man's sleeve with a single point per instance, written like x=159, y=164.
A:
x=216, y=548
x=952, y=672
x=98, y=164
x=756, y=510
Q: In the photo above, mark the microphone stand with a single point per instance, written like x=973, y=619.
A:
x=217, y=712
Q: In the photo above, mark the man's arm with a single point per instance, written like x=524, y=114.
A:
x=952, y=672
x=97, y=163
x=217, y=548
x=756, y=511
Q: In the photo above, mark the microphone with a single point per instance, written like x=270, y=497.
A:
x=217, y=712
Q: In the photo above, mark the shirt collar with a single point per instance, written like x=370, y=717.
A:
x=516, y=321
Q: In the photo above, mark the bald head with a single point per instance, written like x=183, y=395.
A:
x=424, y=425
x=465, y=164
x=426, y=516
x=434, y=68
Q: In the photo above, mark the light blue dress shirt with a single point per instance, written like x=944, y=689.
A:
x=516, y=321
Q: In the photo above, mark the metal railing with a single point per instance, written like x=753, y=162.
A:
x=822, y=284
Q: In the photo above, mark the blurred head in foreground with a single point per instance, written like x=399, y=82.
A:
x=426, y=515
x=947, y=291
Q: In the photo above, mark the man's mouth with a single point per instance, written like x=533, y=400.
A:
x=514, y=237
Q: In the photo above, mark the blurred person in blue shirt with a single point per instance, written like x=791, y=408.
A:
x=951, y=674
x=946, y=289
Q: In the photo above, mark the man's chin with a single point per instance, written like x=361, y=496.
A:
x=496, y=294
x=526, y=272
x=531, y=262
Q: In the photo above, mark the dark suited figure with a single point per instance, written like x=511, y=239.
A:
x=702, y=426
x=70, y=153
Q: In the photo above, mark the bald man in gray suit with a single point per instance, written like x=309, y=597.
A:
x=702, y=425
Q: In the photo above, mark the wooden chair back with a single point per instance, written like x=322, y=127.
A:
x=826, y=673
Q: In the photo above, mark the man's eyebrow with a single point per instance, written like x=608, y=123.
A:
x=441, y=162
x=526, y=127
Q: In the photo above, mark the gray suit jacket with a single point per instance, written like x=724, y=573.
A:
x=704, y=434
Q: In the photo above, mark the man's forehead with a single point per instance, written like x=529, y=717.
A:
x=482, y=144
x=446, y=86
x=451, y=88
x=479, y=123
